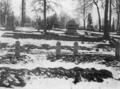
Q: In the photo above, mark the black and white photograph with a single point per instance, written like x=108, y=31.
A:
x=59, y=44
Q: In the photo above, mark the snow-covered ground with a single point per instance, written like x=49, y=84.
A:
x=40, y=60
x=55, y=83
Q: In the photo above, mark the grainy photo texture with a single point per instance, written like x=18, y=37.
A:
x=59, y=44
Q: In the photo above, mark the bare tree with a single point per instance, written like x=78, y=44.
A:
x=44, y=6
x=63, y=19
x=118, y=14
x=5, y=9
x=106, y=29
x=83, y=8
x=23, y=13
x=99, y=18
x=110, y=14
x=0, y=13
x=45, y=26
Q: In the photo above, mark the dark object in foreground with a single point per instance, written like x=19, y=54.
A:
x=8, y=80
x=92, y=75
x=15, y=77
x=77, y=78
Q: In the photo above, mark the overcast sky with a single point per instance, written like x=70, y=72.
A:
x=67, y=6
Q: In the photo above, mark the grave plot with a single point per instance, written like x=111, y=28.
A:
x=41, y=63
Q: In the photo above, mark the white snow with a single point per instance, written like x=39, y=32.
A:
x=55, y=83
x=37, y=42
x=39, y=59
x=35, y=61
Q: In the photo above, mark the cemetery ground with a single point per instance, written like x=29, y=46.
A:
x=38, y=67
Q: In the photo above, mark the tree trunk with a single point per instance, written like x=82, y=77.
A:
x=23, y=13
x=118, y=22
x=84, y=15
x=106, y=31
x=1, y=18
x=117, y=4
x=84, y=24
x=98, y=15
x=45, y=30
x=113, y=26
x=110, y=15
x=4, y=15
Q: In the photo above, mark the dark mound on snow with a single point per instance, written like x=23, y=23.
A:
x=77, y=73
x=107, y=60
x=52, y=36
x=10, y=77
x=16, y=77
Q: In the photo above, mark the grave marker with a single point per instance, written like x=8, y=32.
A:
x=10, y=22
x=17, y=49
x=58, y=49
x=75, y=48
x=71, y=27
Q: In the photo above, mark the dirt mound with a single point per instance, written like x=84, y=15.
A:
x=17, y=77
x=8, y=78
x=107, y=60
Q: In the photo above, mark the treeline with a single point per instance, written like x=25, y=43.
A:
x=5, y=10
x=54, y=21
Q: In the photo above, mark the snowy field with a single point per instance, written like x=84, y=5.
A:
x=41, y=53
